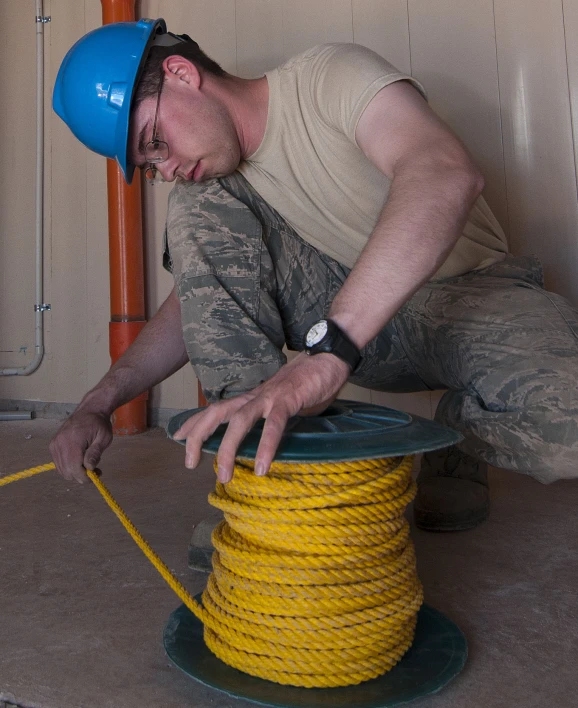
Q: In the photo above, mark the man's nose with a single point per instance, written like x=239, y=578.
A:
x=168, y=170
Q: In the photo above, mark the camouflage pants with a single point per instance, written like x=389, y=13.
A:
x=505, y=349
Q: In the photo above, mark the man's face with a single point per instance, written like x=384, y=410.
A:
x=201, y=137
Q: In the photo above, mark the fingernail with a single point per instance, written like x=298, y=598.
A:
x=223, y=475
x=177, y=434
x=189, y=461
x=260, y=469
x=91, y=464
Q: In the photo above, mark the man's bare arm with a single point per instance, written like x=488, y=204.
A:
x=155, y=354
x=435, y=184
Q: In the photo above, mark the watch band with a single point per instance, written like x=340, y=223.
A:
x=338, y=343
x=346, y=350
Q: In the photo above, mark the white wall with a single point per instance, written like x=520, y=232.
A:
x=502, y=73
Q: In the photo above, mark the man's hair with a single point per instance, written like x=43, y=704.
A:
x=148, y=84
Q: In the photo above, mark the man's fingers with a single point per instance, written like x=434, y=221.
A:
x=97, y=447
x=199, y=420
x=75, y=471
x=197, y=429
x=92, y=456
x=239, y=425
x=79, y=444
x=189, y=425
x=72, y=474
x=68, y=462
x=301, y=385
x=272, y=433
x=202, y=425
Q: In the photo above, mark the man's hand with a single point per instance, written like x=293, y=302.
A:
x=306, y=386
x=157, y=352
x=79, y=443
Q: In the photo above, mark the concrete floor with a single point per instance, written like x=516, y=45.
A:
x=82, y=611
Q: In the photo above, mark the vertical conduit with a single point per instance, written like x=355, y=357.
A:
x=127, y=308
x=39, y=306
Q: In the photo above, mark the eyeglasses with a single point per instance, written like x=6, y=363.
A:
x=156, y=151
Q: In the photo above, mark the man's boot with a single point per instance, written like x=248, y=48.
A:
x=452, y=492
x=200, y=548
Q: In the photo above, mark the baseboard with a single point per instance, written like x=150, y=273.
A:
x=157, y=417
x=39, y=409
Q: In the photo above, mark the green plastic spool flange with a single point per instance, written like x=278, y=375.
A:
x=347, y=430
x=437, y=655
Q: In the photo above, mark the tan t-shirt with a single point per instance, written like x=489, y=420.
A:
x=311, y=170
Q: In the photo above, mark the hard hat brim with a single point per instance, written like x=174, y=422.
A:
x=123, y=128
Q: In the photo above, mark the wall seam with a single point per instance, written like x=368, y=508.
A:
x=504, y=172
x=409, y=37
x=570, y=102
x=352, y=21
x=236, y=41
x=283, y=26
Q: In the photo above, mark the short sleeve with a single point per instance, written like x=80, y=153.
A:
x=345, y=78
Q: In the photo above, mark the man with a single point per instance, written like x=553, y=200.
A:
x=326, y=207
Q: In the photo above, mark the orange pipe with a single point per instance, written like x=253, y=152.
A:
x=202, y=399
x=127, y=305
x=117, y=11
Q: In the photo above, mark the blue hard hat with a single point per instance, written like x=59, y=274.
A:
x=95, y=86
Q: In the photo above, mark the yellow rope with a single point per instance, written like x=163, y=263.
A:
x=173, y=582
x=26, y=473
x=314, y=580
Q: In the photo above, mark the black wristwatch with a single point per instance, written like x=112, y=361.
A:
x=325, y=336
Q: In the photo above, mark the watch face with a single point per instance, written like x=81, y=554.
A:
x=316, y=333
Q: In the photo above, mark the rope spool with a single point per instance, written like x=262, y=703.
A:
x=314, y=581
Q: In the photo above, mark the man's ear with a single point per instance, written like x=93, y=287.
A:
x=178, y=67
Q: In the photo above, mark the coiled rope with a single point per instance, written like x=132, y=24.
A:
x=314, y=581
